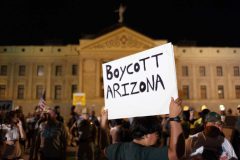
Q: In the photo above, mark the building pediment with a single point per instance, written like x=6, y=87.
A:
x=119, y=39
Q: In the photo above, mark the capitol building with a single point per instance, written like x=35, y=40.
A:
x=205, y=75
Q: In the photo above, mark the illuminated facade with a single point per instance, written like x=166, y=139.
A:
x=206, y=75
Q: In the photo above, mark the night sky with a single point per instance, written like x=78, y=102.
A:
x=183, y=22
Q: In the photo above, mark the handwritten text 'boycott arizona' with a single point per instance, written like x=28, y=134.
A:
x=151, y=83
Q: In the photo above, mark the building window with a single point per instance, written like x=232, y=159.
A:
x=185, y=89
x=184, y=71
x=58, y=92
x=236, y=70
x=221, y=92
x=3, y=70
x=22, y=70
x=74, y=69
x=202, y=71
x=237, y=90
x=219, y=71
x=74, y=89
x=39, y=91
x=2, y=91
x=40, y=70
x=20, y=92
x=58, y=71
x=203, y=92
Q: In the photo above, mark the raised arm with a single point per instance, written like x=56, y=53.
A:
x=104, y=119
x=21, y=130
x=104, y=130
x=177, y=144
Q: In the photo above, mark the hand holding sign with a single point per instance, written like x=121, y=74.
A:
x=141, y=84
x=175, y=107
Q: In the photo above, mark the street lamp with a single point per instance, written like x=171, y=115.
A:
x=222, y=107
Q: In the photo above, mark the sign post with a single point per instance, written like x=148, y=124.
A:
x=79, y=99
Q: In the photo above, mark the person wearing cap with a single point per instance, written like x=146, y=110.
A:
x=210, y=143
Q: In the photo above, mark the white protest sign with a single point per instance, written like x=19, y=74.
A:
x=141, y=84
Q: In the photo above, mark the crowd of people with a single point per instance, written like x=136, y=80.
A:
x=46, y=135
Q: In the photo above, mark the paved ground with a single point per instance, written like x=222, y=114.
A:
x=71, y=154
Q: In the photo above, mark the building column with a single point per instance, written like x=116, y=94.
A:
x=98, y=75
x=212, y=87
x=80, y=75
x=67, y=82
x=229, y=84
x=48, y=86
x=31, y=88
x=11, y=85
x=194, y=87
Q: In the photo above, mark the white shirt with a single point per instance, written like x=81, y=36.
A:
x=12, y=132
x=226, y=147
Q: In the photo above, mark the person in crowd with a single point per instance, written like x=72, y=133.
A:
x=57, y=110
x=186, y=121
x=2, y=114
x=192, y=119
x=118, y=132
x=2, y=132
x=210, y=143
x=86, y=133
x=229, y=112
x=73, y=132
x=235, y=138
x=22, y=118
x=14, y=132
x=52, y=138
x=198, y=125
x=39, y=118
x=2, y=121
x=144, y=131
x=93, y=118
x=30, y=124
